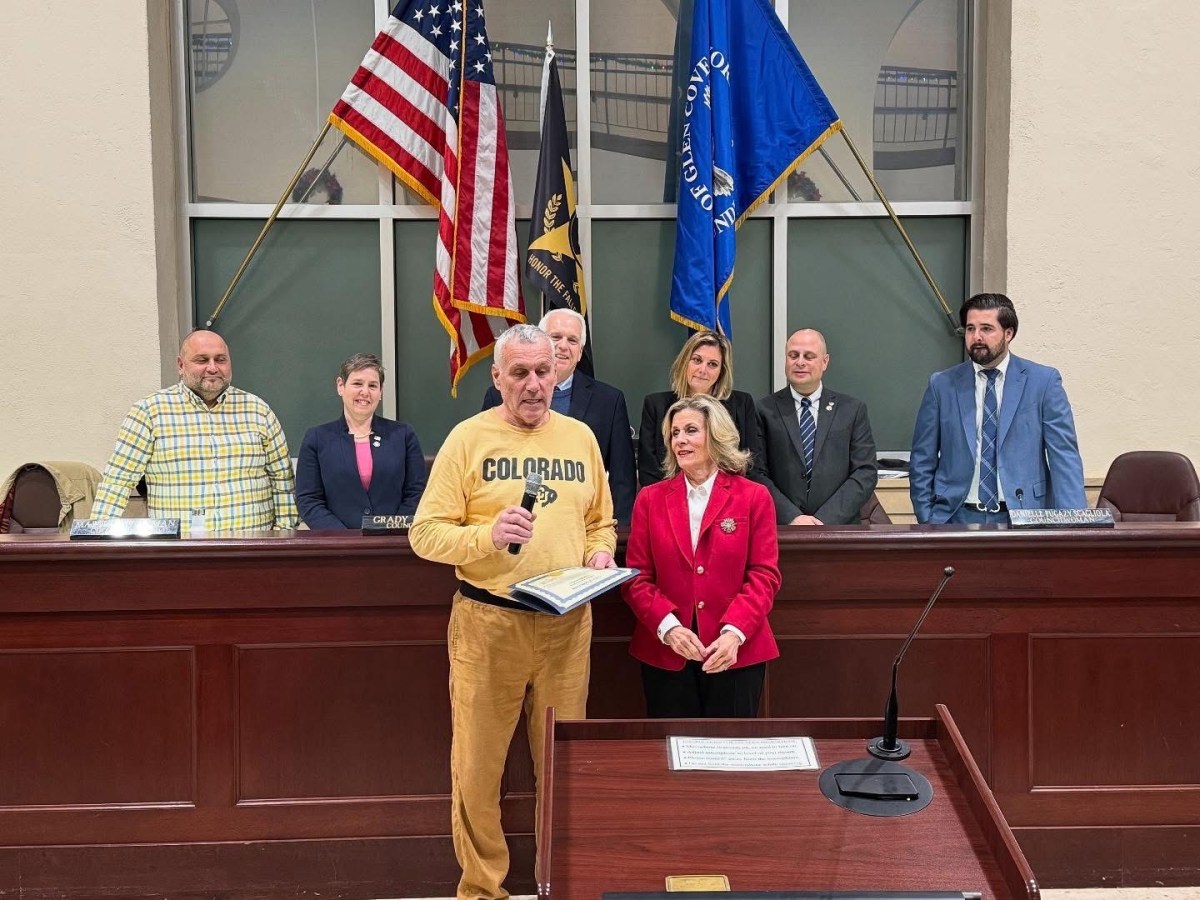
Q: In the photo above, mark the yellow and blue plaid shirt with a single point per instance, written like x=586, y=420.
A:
x=230, y=461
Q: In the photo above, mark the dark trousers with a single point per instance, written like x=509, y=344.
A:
x=693, y=694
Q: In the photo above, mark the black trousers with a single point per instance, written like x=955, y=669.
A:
x=693, y=694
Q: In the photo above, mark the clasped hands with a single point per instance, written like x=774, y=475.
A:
x=717, y=656
x=514, y=525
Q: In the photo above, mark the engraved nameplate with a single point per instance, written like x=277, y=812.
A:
x=1061, y=518
x=125, y=530
x=386, y=524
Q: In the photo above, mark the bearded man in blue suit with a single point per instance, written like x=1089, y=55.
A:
x=993, y=433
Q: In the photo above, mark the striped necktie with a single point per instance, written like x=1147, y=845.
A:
x=808, y=435
x=989, y=491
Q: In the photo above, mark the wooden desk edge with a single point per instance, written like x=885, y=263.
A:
x=1003, y=843
x=545, y=811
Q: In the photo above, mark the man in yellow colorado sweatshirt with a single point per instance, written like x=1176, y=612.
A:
x=503, y=658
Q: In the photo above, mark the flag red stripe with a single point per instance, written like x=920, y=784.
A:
x=468, y=124
x=381, y=139
x=483, y=329
x=498, y=247
x=404, y=110
x=414, y=66
x=446, y=221
x=460, y=158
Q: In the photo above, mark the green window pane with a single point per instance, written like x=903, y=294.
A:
x=635, y=339
x=309, y=300
x=632, y=335
x=854, y=280
x=423, y=346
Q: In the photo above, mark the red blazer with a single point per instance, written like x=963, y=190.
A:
x=731, y=579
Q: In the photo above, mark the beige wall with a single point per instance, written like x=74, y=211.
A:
x=1103, y=215
x=87, y=251
x=1091, y=204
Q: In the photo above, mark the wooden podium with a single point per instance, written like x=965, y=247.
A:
x=618, y=819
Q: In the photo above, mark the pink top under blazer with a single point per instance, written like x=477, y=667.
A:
x=730, y=579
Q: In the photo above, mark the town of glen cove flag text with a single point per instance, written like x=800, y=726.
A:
x=752, y=112
x=424, y=103
x=554, y=263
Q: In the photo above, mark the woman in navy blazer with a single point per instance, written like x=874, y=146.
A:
x=360, y=464
x=703, y=366
x=707, y=550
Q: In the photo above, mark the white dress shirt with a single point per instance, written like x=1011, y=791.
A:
x=980, y=390
x=697, y=496
x=814, y=399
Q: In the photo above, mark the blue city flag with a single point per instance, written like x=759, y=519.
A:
x=752, y=112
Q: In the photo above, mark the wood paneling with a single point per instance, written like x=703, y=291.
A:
x=343, y=721
x=1113, y=857
x=837, y=675
x=264, y=870
x=81, y=727
x=224, y=704
x=1115, y=710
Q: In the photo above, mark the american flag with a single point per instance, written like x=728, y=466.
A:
x=424, y=103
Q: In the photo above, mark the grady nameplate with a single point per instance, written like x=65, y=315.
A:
x=386, y=524
x=1061, y=518
x=125, y=530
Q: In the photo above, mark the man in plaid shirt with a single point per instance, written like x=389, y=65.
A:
x=205, y=448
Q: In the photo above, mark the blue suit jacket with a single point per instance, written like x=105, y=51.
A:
x=1038, y=452
x=601, y=407
x=329, y=493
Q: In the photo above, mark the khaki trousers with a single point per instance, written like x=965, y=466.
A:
x=503, y=661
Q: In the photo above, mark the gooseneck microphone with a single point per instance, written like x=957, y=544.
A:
x=888, y=746
x=533, y=484
x=1020, y=498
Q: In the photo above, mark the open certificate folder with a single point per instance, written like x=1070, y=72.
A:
x=561, y=590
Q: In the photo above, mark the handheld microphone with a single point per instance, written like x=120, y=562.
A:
x=888, y=747
x=1020, y=494
x=533, y=484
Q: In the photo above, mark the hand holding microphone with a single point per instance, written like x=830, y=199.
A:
x=515, y=523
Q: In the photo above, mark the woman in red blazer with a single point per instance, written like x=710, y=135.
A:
x=706, y=544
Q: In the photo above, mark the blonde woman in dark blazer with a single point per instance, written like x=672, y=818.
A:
x=704, y=367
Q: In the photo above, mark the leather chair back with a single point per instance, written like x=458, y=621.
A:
x=1151, y=486
x=35, y=502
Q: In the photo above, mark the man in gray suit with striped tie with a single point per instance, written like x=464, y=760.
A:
x=820, y=461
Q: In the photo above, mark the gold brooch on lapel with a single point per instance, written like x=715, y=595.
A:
x=728, y=526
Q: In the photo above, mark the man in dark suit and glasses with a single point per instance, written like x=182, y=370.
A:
x=598, y=405
x=820, y=455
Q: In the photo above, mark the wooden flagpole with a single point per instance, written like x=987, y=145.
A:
x=904, y=234
x=287, y=192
